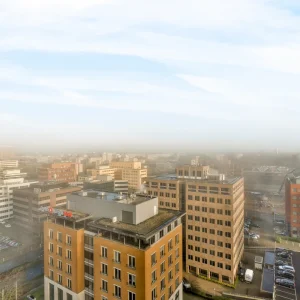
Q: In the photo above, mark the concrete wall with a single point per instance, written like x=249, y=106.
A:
x=145, y=210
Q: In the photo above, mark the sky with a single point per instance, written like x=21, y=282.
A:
x=193, y=74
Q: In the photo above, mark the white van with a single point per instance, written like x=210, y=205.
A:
x=249, y=275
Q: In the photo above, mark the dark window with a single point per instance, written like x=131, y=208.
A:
x=51, y=291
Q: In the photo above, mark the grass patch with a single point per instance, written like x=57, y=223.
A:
x=287, y=238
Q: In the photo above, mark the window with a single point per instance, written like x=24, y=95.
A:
x=170, y=260
x=197, y=249
x=162, y=251
x=204, y=240
x=153, y=259
x=50, y=233
x=212, y=231
x=219, y=222
x=177, y=253
x=131, y=261
x=197, y=218
x=173, y=204
x=104, y=252
x=51, y=291
x=104, y=269
x=161, y=202
x=161, y=194
x=204, y=261
x=59, y=278
x=190, y=247
x=59, y=237
x=162, y=284
x=69, y=283
x=228, y=212
x=167, y=195
x=170, y=291
x=220, y=244
x=168, y=204
x=211, y=210
x=131, y=296
x=162, y=268
x=220, y=254
x=177, y=268
x=228, y=267
x=190, y=257
x=190, y=217
x=104, y=285
x=51, y=274
x=204, y=209
x=69, y=269
x=51, y=261
x=117, y=274
x=212, y=221
x=131, y=279
x=190, y=227
x=228, y=234
x=197, y=208
x=220, y=201
x=170, y=275
x=220, y=211
x=212, y=263
x=51, y=247
x=228, y=256
x=228, y=245
x=227, y=223
x=60, y=294
x=69, y=254
x=190, y=237
x=190, y=197
x=117, y=256
x=102, y=298
x=227, y=201
x=190, y=207
x=197, y=238
x=197, y=198
x=204, y=250
x=117, y=291
x=204, y=220
x=59, y=265
x=197, y=258
x=59, y=251
x=204, y=199
x=177, y=239
x=220, y=265
x=153, y=277
x=212, y=252
x=154, y=294
x=212, y=242
x=212, y=200
x=220, y=233
x=204, y=230
x=69, y=297
x=170, y=246
x=69, y=240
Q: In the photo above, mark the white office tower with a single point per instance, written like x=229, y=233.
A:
x=10, y=179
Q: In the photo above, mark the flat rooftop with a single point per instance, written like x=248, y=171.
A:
x=133, y=199
x=164, y=177
x=144, y=229
x=267, y=284
x=69, y=215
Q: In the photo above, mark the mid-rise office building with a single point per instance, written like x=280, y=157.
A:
x=10, y=180
x=28, y=203
x=64, y=171
x=214, y=223
x=130, y=250
x=111, y=186
x=9, y=164
x=101, y=170
x=292, y=204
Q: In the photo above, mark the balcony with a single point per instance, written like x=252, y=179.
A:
x=89, y=291
x=89, y=262
x=89, y=247
x=89, y=276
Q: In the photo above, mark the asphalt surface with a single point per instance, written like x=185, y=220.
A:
x=190, y=296
x=34, y=272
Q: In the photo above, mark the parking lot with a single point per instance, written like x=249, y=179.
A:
x=283, y=292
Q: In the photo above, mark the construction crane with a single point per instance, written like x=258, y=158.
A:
x=286, y=175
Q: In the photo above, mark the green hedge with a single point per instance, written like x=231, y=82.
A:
x=287, y=238
x=233, y=286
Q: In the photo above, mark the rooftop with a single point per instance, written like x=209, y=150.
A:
x=132, y=199
x=267, y=284
x=269, y=258
x=69, y=215
x=144, y=229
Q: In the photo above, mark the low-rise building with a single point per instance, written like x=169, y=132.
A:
x=28, y=202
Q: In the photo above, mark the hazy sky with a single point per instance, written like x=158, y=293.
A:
x=201, y=73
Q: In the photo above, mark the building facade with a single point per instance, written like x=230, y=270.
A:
x=10, y=180
x=64, y=171
x=27, y=203
x=292, y=205
x=111, y=186
x=213, y=236
x=122, y=257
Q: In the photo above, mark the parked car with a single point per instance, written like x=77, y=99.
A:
x=286, y=274
x=285, y=282
x=255, y=235
x=255, y=225
x=284, y=255
x=281, y=263
x=7, y=225
x=186, y=285
x=286, y=268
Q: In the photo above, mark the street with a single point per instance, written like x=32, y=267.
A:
x=190, y=296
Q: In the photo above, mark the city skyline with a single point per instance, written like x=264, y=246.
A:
x=201, y=74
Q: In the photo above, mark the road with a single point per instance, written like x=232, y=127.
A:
x=190, y=296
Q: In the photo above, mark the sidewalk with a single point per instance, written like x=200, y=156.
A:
x=211, y=288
